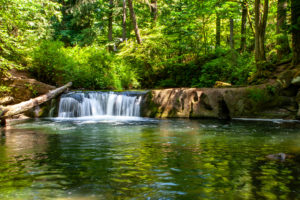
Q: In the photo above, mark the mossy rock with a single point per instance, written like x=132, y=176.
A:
x=149, y=108
x=286, y=78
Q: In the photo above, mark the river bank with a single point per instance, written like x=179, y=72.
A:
x=277, y=98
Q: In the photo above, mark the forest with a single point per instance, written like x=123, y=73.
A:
x=149, y=99
x=119, y=44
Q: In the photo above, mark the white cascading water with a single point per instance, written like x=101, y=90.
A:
x=84, y=104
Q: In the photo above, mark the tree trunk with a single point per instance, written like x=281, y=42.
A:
x=135, y=25
x=2, y=122
x=231, y=34
x=218, y=31
x=295, y=5
x=243, y=26
x=124, y=21
x=110, y=24
x=250, y=19
x=154, y=10
x=281, y=30
x=12, y=110
x=260, y=30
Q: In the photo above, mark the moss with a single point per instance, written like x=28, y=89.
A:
x=285, y=78
x=172, y=113
x=149, y=107
x=32, y=89
x=260, y=99
x=258, y=95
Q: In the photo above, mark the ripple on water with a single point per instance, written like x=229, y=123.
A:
x=148, y=159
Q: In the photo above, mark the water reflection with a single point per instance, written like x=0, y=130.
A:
x=171, y=159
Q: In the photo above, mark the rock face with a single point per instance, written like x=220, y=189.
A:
x=23, y=88
x=263, y=101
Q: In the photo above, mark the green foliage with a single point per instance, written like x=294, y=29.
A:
x=227, y=66
x=271, y=89
x=23, y=23
x=259, y=95
x=159, y=66
x=149, y=58
x=167, y=83
x=128, y=76
x=81, y=22
x=32, y=89
x=88, y=67
x=5, y=89
x=177, y=50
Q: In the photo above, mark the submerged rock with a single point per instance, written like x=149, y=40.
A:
x=77, y=96
x=278, y=156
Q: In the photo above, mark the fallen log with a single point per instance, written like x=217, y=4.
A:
x=9, y=111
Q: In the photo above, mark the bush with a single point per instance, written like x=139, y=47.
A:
x=149, y=58
x=87, y=67
x=50, y=62
x=160, y=63
x=227, y=66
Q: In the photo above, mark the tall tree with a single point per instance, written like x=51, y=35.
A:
x=243, y=26
x=110, y=23
x=283, y=47
x=124, y=21
x=135, y=25
x=260, y=29
x=154, y=10
x=218, y=31
x=295, y=6
x=231, y=39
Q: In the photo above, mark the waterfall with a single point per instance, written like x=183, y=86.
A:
x=83, y=104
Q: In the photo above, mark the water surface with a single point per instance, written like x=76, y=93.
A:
x=138, y=158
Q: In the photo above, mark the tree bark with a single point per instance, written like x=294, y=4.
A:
x=135, y=25
x=12, y=110
x=295, y=5
x=110, y=24
x=124, y=21
x=260, y=30
x=243, y=26
x=281, y=30
x=250, y=20
x=218, y=31
x=231, y=34
x=2, y=122
x=154, y=10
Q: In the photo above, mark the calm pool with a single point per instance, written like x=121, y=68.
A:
x=138, y=158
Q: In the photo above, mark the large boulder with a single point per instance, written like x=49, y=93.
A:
x=263, y=101
x=182, y=102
